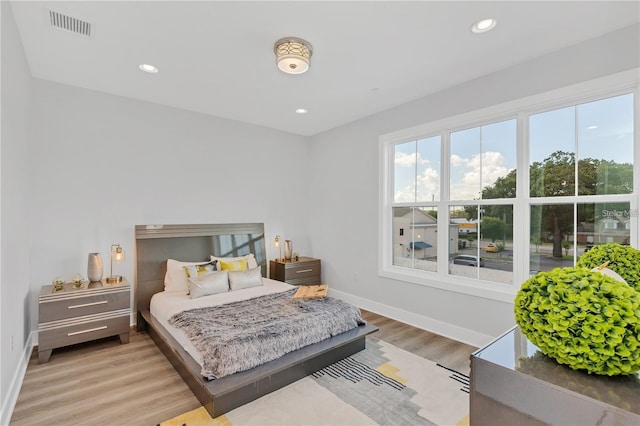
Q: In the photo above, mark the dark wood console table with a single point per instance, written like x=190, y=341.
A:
x=513, y=383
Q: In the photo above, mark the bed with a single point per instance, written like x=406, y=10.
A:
x=157, y=243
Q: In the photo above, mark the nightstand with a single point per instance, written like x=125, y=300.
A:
x=305, y=271
x=74, y=315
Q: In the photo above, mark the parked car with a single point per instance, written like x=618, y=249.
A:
x=491, y=248
x=465, y=259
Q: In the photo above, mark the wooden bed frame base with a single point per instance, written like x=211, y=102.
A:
x=223, y=395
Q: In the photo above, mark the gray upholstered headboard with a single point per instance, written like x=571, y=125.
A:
x=157, y=243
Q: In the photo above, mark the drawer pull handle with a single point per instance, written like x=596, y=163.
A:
x=102, y=302
x=87, y=331
x=302, y=271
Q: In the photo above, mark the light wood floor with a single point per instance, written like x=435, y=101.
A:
x=434, y=347
x=106, y=383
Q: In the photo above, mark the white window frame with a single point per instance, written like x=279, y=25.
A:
x=521, y=109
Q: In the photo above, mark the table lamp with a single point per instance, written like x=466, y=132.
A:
x=117, y=255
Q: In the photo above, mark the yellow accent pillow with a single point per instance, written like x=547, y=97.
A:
x=235, y=265
x=195, y=271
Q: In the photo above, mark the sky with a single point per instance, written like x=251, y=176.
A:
x=604, y=127
x=481, y=155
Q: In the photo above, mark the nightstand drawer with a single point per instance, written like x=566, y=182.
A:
x=84, y=305
x=314, y=280
x=62, y=333
x=304, y=270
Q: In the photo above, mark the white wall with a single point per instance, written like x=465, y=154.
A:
x=101, y=164
x=14, y=199
x=345, y=180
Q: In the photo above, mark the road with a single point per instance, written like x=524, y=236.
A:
x=538, y=261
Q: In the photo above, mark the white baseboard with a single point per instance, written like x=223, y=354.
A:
x=11, y=398
x=450, y=331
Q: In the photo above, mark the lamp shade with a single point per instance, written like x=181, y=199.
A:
x=293, y=55
x=118, y=255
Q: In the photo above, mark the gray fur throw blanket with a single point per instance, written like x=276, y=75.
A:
x=241, y=335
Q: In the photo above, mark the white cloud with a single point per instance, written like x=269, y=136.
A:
x=456, y=160
x=409, y=160
x=429, y=185
x=493, y=168
x=465, y=174
x=428, y=180
x=404, y=195
x=405, y=160
x=428, y=188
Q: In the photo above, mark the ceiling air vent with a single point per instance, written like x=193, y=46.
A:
x=68, y=23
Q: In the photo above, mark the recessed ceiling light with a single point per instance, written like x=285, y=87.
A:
x=148, y=68
x=301, y=111
x=483, y=25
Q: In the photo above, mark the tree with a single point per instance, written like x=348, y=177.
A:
x=596, y=177
x=432, y=213
x=471, y=212
x=554, y=177
x=503, y=187
x=492, y=227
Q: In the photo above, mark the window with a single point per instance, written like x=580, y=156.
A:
x=418, y=247
x=417, y=171
x=599, y=134
x=479, y=204
x=416, y=189
x=483, y=162
x=483, y=167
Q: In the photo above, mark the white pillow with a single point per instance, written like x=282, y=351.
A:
x=250, y=258
x=211, y=283
x=245, y=279
x=176, y=278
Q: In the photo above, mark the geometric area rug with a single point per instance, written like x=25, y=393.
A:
x=382, y=385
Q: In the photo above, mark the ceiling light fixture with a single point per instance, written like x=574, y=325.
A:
x=483, y=25
x=293, y=55
x=148, y=68
x=301, y=111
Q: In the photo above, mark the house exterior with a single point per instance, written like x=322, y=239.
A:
x=466, y=226
x=606, y=229
x=416, y=236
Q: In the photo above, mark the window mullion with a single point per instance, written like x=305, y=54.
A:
x=576, y=191
x=635, y=202
x=415, y=173
x=575, y=233
x=480, y=162
x=521, y=208
x=443, y=205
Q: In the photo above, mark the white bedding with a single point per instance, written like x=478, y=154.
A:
x=165, y=304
